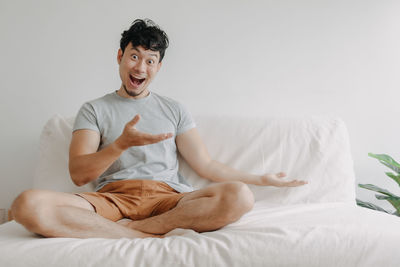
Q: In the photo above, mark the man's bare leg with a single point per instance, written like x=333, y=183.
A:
x=203, y=210
x=56, y=214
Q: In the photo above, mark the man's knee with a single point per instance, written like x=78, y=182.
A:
x=29, y=207
x=235, y=199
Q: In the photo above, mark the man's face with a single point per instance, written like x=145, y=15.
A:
x=137, y=68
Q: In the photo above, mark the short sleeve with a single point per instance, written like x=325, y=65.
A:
x=86, y=119
x=186, y=121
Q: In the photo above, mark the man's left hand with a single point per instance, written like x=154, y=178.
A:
x=276, y=179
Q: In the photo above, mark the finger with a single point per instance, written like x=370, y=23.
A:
x=163, y=136
x=280, y=174
x=134, y=121
x=297, y=183
x=151, y=138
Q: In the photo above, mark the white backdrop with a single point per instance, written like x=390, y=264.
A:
x=263, y=58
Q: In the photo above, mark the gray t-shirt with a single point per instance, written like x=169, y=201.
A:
x=108, y=115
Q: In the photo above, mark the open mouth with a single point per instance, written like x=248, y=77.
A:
x=136, y=81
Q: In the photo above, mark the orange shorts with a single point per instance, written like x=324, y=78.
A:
x=134, y=199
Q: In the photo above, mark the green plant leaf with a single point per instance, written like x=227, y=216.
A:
x=387, y=161
x=396, y=178
x=395, y=201
x=370, y=206
x=377, y=189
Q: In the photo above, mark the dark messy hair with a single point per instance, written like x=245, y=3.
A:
x=147, y=34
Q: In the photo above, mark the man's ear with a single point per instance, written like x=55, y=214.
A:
x=159, y=66
x=119, y=56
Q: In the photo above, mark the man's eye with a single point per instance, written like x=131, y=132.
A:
x=135, y=57
x=150, y=61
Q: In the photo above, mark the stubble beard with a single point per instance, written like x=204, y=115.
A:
x=132, y=93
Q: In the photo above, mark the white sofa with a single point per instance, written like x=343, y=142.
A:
x=317, y=224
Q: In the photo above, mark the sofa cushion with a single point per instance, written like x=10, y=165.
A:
x=315, y=149
x=52, y=168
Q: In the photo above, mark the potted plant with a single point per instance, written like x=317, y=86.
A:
x=384, y=194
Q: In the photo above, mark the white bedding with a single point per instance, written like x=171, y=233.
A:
x=323, y=234
x=314, y=225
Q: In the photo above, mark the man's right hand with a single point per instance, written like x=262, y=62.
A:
x=132, y=137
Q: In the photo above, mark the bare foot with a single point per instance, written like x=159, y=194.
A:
x=124, y=222
x=129, y=223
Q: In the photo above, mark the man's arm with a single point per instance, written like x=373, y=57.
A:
x=86, y=163
x=194, y=151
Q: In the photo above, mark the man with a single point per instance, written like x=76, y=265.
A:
x=128, y=141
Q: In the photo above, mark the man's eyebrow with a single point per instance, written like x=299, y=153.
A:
x=151, y=54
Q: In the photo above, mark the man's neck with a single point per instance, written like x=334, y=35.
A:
x=121, y=92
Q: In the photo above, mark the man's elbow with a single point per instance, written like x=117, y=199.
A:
x=77, y=177
x=78, y=181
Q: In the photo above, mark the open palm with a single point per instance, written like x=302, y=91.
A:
x=277, y=179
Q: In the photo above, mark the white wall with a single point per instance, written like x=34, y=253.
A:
x=272, y=58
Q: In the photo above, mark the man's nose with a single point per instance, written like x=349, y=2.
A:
x=140, y=66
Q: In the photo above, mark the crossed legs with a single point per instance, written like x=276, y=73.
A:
x=55, y=214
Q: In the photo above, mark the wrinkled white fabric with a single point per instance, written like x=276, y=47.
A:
x=321, y=234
